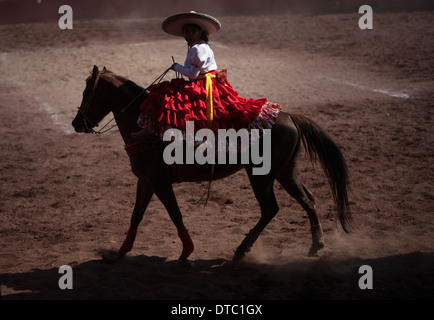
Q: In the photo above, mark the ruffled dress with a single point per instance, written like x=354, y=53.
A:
x=170, y=104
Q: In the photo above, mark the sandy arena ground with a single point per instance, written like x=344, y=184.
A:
x=66, y=197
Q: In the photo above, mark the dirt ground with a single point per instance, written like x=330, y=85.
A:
x=67, y=197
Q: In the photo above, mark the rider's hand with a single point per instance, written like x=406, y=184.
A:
x=173, y=66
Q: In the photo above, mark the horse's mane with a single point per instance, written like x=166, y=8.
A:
x=114, y=75
x=124, y=80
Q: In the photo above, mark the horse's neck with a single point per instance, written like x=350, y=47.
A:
x=126, y=107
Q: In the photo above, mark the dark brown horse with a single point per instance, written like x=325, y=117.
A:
x=107, y=92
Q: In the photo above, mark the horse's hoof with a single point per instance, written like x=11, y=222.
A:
x=313, y=251
x=110, y=255
x=119, y=256
x=237, y=258
x=185, y=263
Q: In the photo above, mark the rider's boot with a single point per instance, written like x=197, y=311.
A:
x=143, y=134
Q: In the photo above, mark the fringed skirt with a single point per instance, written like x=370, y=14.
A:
x=171, y=104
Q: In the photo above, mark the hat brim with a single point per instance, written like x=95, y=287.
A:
x=173, y=24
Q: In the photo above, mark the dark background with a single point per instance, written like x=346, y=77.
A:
x=16, y=11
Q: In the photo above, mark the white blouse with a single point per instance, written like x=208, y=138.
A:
x=200, y=60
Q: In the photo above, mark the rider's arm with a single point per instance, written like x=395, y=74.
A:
x=196, y=58
x=191, y=72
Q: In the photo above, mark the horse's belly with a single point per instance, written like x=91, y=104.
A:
x=196, y=172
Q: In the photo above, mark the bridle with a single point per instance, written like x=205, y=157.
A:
x=104, y=130
x=90, y=125
x=85, y=117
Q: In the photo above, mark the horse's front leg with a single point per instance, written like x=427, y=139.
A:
x=143, y=197
x=164, y=191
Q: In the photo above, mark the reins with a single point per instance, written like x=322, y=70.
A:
x=103, y=129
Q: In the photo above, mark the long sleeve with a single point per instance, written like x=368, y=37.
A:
x=192, y=72
x=200, y=59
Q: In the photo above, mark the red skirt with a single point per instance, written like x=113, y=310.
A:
x=171, y=104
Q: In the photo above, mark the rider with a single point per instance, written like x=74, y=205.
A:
x=207, y=98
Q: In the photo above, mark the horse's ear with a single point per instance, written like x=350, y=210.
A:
x=104, y=69
x=95, y=72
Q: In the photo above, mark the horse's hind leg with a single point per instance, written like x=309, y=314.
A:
x=263, y=189
x=298, y=190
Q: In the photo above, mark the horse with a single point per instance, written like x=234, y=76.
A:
x=107, y=92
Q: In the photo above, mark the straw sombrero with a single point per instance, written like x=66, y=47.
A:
x=173, y=24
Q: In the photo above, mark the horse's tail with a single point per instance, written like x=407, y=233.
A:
x=319, y=144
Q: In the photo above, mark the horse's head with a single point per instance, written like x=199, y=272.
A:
x=94, y=105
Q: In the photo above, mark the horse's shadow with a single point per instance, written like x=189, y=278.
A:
x=409, y=276
x=132, y=277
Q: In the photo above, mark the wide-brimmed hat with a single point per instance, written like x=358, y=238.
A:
x=173, y=24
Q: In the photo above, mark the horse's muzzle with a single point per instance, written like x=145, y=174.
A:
x=80, y=126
